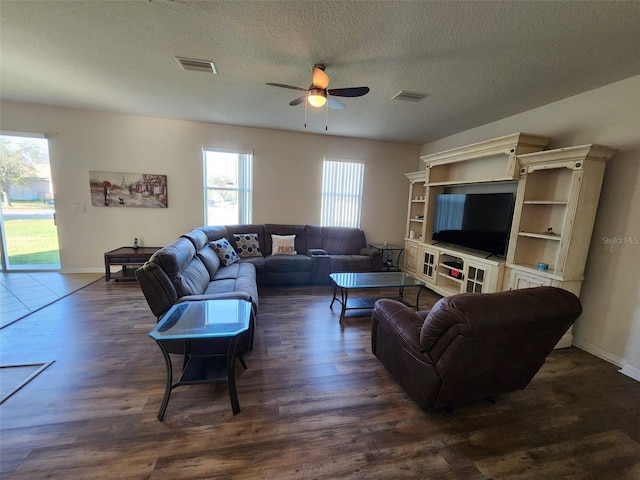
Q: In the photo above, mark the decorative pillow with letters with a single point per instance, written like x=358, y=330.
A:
x=247, y=245
x=283, y=245
x=225, y=251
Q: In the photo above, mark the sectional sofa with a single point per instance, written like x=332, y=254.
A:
x=233, y=261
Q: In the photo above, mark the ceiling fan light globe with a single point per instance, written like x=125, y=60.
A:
x=317, y=97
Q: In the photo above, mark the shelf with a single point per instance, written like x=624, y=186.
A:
x=545, y=202
x=205, y=369
x=448, y=277
x=416, y=220
x=449, y=267
x=543, y=236
x=533, y=269
x=418, y=201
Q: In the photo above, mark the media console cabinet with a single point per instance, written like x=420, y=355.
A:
x=556, y=198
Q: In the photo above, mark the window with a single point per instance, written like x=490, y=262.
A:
x=228, y=186
x=342, y=183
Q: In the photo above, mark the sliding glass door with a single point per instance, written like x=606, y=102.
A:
x=28, y=231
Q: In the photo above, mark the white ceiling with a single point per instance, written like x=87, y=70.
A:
x=477, y=61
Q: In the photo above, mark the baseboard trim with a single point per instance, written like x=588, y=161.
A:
x=630, y=371
x=82, y=270
x=598, y=352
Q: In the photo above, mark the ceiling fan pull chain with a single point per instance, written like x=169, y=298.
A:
x=305, y=114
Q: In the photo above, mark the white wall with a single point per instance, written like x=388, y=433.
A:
x=287, y=176
x=610, y=323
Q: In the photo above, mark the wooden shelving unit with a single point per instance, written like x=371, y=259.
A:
x=556, y=202
x=558, y=190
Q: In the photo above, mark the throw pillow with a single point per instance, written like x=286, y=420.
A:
x=247, y=245
x=225, y=251
x=283, y=245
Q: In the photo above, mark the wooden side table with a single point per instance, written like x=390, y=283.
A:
x=129, y=258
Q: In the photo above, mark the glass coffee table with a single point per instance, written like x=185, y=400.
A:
x=211, y=335
x=352, y=281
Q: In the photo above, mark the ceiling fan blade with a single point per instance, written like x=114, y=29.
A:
x=291, y=87
x=297, y=101
x=320, y=78
x=335, y=104
x=349, y=92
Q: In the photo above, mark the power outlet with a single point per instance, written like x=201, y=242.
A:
x=77, y=208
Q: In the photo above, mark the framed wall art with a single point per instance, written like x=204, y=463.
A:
x=115, y=189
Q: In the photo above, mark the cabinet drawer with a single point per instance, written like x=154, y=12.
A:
x=118, y=260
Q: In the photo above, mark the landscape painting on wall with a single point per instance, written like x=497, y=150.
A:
x=112, y=189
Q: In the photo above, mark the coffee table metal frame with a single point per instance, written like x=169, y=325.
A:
x=353, y=281
x=207, y=334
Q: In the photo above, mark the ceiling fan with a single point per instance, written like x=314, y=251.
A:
x=317, y=95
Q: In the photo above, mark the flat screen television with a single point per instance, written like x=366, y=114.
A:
x=480, y=221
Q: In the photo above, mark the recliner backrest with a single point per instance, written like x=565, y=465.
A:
x=343, y=240
x=481, y=332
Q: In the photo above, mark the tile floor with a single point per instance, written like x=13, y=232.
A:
x=22, y=293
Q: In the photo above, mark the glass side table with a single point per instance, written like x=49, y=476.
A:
x=208, y=334
x=390, y=256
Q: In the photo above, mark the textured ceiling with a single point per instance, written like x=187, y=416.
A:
x=477, y=61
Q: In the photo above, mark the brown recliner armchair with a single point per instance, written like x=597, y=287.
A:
x=473, y=345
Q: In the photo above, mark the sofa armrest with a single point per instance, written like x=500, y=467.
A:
x=158, y=289
x=376, y=257
x=370, y=252
x=316, y=252
x=321, y=266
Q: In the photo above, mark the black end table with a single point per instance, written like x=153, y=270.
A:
x=390, y=256
x=208, y=334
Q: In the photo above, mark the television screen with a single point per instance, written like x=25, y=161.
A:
x=480, y=221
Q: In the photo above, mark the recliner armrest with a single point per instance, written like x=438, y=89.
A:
x=402, y=320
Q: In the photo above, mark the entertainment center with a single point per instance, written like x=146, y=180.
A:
x=538, y=207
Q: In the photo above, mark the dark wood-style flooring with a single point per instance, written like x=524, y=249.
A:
x=316, y=404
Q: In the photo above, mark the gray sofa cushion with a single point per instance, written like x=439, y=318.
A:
x=197, y=237
x=350, y=263
x=175, y=257
x=193, y=280
x=343, y=240
x=239, y=277
x=210, y=260
x=215, y=232
x=288, y=263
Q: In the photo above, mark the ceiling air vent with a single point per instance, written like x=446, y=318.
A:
x=196, y=65
x=408, y=96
